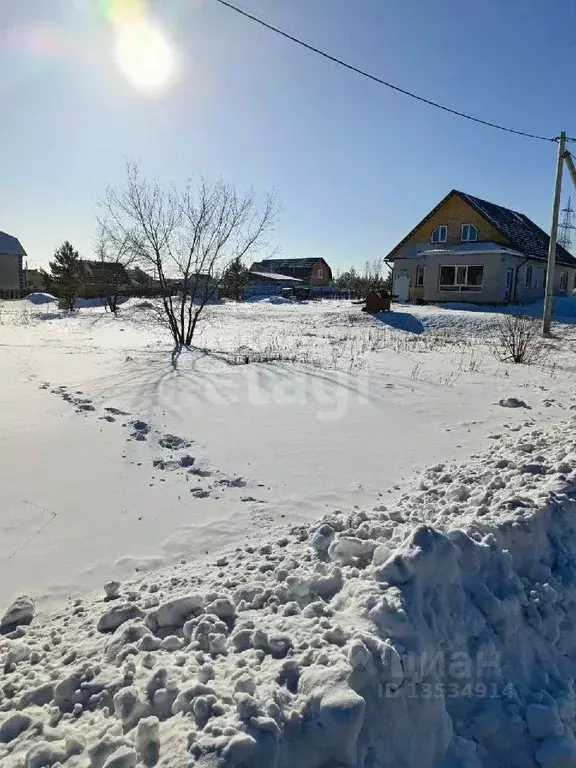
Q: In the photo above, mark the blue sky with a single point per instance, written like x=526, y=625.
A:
x=355, y=165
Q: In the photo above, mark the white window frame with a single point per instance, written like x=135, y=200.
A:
x=420, y=271
x=442, y=237
x=319, y=273
x=528, y=276
x=461, y=287
x=564, y=281
x=468, y=228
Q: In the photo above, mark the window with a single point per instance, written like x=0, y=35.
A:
x=574, y=282
x=528, y=277
x=319, y=273
x=468, y=233
x=419, y=276
x=460, y=278
x=563, y=281
x=440, y=234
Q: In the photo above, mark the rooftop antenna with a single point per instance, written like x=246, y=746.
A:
x=566, y=226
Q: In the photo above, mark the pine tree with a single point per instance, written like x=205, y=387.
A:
x=66, y=274
x=236, y=277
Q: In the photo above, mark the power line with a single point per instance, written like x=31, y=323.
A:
x=379, y=80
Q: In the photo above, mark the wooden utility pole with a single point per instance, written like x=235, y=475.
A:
x=547, y=314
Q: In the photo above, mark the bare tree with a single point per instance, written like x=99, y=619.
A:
x=188, y=237
x=519, y=340
x=115, y=249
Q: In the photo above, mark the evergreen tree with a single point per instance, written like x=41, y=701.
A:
x=234, y=280
x=66, y=274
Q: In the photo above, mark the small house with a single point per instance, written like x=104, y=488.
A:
x=11, y=272
x=101, y=277
x=312, y=271
x=470, y=250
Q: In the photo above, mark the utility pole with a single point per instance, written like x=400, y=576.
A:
x=547, y=314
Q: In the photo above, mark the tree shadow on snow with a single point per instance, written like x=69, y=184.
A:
x=212, y=380
x=401, y=321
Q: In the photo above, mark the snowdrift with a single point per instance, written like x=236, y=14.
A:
x=563, y=308
x=269, y=300
x=439, y=632
x=41, y=298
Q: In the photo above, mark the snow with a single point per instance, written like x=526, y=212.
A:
x=347, y=553
x=41, y=298
x=291, y=655
x=270, y=299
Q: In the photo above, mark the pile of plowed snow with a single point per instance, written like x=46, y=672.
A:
x=41, y=298
x=439, y=632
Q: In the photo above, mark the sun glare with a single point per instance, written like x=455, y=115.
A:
x=145, y=56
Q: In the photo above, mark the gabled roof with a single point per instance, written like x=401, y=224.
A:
x=10, y=246
x=287, y=263
x=522, y=232
x=109, y=271
x=276, y=276
x=300, y=268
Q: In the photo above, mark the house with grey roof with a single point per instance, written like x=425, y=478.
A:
x=311, y=271
x=11, y=273
x=470, y=250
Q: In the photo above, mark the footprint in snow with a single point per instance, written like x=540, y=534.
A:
x=200, y=493
x=141, y=429
x=173, y=443
x=115, y=411
x=512, y=402
x=200, y=472
x=234, y=482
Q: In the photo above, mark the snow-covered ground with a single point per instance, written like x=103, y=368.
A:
x=205, y=476
x=272, y=442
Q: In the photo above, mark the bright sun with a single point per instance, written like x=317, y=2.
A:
x=144, y=56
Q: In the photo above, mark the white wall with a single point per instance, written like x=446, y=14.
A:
x=495, y=266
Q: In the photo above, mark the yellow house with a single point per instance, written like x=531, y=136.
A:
x=470, y=250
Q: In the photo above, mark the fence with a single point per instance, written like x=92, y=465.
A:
x=312, y=292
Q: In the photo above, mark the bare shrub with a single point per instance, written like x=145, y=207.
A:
x=519, y=340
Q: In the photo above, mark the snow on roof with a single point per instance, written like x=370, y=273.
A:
x=10, y=246
x=276, y=276
x=283, y=263
x=465, y=248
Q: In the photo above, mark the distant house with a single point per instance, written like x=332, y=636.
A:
x=470, y=250
x=11, y=272
x=138, y=278
x=199, y=285
x=309, y=271
x=264, y=278
x=34, y=280
x=100, y=277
